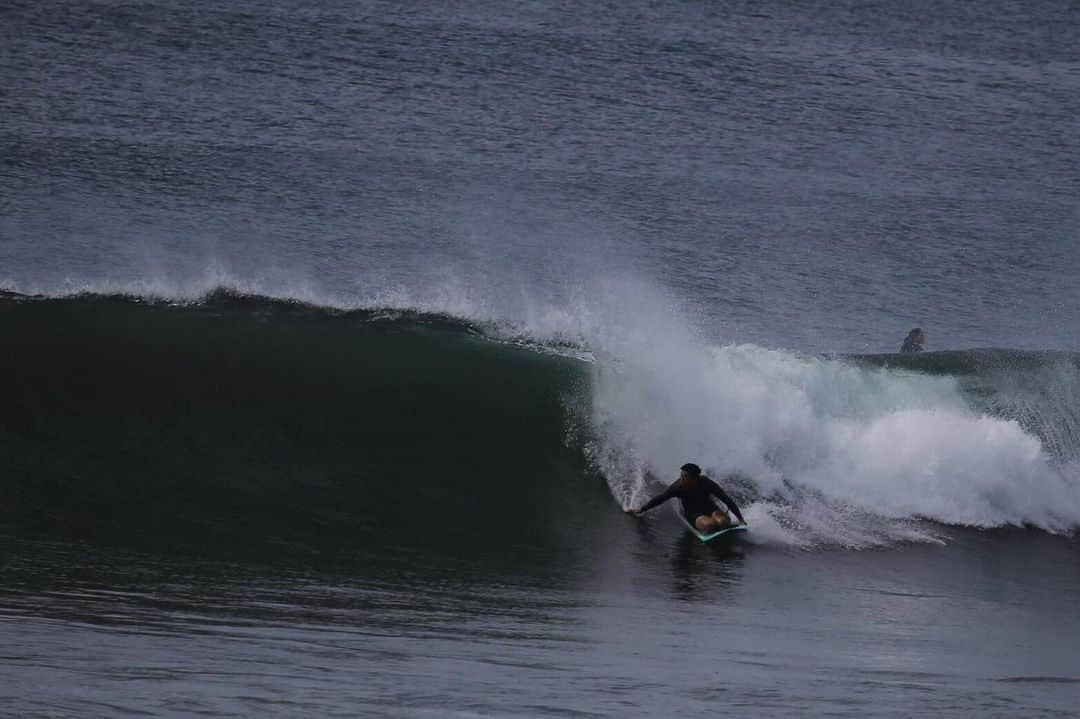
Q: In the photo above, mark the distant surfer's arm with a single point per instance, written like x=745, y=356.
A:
x=723, y=497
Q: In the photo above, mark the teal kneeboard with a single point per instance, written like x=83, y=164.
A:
x=728, y=532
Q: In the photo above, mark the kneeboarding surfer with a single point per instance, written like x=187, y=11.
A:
x=695, y=492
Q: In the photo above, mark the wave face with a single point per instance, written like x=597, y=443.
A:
x=238, y=417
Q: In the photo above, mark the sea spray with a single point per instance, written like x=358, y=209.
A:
x=834, y=451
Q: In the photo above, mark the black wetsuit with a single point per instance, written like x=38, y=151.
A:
x=910, y=346
x=696, y=500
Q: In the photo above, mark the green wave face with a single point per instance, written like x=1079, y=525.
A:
x=255, y=421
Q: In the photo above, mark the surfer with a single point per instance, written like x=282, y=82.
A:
x=696, y=492
x=914, y=341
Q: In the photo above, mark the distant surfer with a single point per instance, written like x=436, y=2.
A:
x=696, y=492
x=914, y=341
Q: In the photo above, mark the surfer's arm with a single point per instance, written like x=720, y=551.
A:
x=720, y=494
x=658, y=499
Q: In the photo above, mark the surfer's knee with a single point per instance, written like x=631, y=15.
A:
x=705, y=523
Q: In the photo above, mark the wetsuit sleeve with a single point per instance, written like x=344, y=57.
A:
x=720, y=494
x=659, y=499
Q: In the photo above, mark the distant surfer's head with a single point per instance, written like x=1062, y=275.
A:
x=691, y=469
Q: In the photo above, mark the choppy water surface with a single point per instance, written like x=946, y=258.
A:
x=636, y=622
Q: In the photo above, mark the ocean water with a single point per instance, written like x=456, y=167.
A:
x=339, y=335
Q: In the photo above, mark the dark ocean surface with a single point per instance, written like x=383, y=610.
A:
x=337, y=336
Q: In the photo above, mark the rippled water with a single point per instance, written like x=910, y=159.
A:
x=212, y=510
x=655, y=625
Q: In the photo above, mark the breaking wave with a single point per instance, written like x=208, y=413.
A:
x=234, y=415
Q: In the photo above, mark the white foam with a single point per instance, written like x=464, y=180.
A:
x=843, y=453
